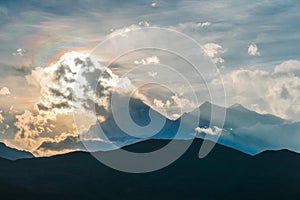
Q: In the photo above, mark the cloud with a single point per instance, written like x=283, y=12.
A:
x=160, y=104
x=213, y=50
x=152, y=74
x=33, y=129
x=215, y=131
x=20, y=52
x=291, y=67
x=183, y=103
x=148, y=60
x=4, y=91
x=171, y=107
x=1, y=118
x=253, y=50
x=276, y=91
x=76, y=80
x=154, y=4
x=71, y=81
x=204, y=24
x=144, y=23
x=192, y=26
x=123, y=31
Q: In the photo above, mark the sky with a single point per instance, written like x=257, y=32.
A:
x=254, y=48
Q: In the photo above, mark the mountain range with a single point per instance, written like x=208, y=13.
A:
x=13, y=154
x=255, y=170
x=224, y=174
x=243, y=129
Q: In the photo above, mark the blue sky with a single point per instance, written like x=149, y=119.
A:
x=272, y=25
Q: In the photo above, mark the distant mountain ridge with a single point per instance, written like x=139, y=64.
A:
x=252, y=132
x=243, y=129
x=224, y=174
x=13, y=154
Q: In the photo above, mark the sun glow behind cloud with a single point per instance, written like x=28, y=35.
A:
x=71, y=51
x=50, y=120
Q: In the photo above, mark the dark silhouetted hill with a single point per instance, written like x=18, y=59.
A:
x=224, y=174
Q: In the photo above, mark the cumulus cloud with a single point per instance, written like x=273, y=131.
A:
x=71, y=81
x=77, y=81
x=213, y=50
x=276, y=91
x=253, y=50
x=4, y=91
x=291, y=67
x=30, y=127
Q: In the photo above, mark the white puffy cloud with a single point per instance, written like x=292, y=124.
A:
x=275, y=92
x=291, y=67
x=215, y=131
x=148, y=60
x=154, y=4
x=213, y=50
x=76, y=80
x=4, y=91
x=172, y=107
x=72, y=81
x=253, y=50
